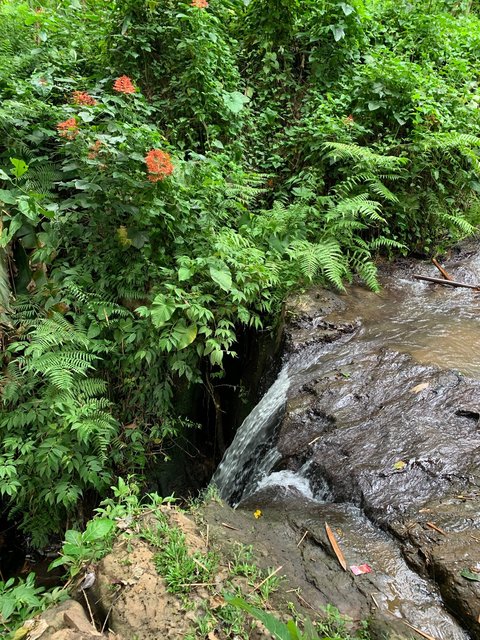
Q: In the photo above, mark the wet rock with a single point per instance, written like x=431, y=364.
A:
x=311, y=574
x=305, y=319
x=442, y=541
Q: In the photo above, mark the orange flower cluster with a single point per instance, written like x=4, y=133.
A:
x=68, y=128
x=200, y=4
x=159, y=165
x=94, y=149
x=83, y=98
x=124, y=85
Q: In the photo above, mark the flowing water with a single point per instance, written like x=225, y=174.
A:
x=434, y=325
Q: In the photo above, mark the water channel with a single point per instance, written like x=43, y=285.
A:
x=378, y=425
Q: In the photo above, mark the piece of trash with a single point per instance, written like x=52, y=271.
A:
x=335, y=547
x=470, y=575
x=88, y=580
x=257, y=514
x=360, y=569
x=420, y=387
x=399, y=465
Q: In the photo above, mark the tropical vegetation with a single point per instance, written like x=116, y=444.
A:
x=169, y=171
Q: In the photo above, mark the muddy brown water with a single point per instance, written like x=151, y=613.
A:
x=377, y=430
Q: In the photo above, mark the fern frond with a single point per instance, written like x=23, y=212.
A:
x=325, y=258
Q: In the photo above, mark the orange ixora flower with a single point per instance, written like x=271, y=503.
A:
x=159, y=165
x=200, y=4
x=94, y=149
x=68, y=128
x=124, y=85
x=83, y=98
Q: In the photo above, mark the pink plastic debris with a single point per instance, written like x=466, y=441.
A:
x=357, y=570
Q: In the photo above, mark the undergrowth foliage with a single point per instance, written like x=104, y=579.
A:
x=169, y=171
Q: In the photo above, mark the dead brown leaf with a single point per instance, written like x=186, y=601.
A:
x=216, y=601
x=335, y=547
x=420, y=387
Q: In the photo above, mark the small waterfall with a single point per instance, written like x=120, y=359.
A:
x=252, y=455
x=250, y=458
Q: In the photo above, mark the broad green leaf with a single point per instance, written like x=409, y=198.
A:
x=98, y=529
x=8, y=606
x=3, y=175
x=29, y=211
x=277, y=628
x=295, y=633
x=222, y=277
x=7, y=197
x=338, y=32
x=19, y=167
x=347, y=8
x=161, y=311
x=235, y=101
x=85, y=185
x=469, y=575
x=185, y=335
x=72, y=550
x=73, y=537
x=184, y=273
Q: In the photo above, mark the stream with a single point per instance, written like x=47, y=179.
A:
x=373, y=426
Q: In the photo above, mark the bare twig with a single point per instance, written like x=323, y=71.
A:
x=444, y=273
x=260, y=584
x=451, y=283
x=420, y=632
x=229, y=526
x=119, y=591
x=303, y=538
x=92, y=619
x=200, y=564
x=435, y=528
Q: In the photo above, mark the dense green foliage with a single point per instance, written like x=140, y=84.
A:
x=168, y=172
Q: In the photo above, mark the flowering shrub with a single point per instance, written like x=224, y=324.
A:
x=94, y=149
x=159, y=165
x=200, y=4
x=83, y=98
x=124, y=85
x=68, y=128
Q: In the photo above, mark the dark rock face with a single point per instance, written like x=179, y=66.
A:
x=393, y=440
x=401, y=441
x=391, y=435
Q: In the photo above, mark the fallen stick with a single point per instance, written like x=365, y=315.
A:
x=419, y=631
x=435, y=528
x=335, y=547
x=444, y=273
x=270, y=575
x=451, y=283
x=303, y=538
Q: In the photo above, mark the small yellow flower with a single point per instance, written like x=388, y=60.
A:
x=257, y=514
